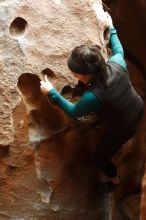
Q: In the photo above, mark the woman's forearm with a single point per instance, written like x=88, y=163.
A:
x=87, y=104
x=116, y=45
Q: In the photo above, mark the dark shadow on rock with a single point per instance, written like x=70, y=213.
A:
x=45, y=118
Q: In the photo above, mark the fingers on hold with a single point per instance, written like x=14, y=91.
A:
x=42, y=83
x=46, y=78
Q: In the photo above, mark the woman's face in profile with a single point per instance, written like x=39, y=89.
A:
x=83, y=78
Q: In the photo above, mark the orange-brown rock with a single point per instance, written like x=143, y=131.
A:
x=45, y=166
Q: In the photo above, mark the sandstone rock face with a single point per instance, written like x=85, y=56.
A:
x=45, y=166
x=42, y=37
x=45, y=170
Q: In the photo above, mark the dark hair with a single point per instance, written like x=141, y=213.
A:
x=89, y=60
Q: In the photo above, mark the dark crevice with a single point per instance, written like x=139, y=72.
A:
x=133, y=59
x=29, y=81
x=106, y=34
x=136, y=62
x=44, y=117
x=4, y=149
x=67, y=91
x=29, y=86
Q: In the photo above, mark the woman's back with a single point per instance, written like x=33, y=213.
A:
x=121, y=105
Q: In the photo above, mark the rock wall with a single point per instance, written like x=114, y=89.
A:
x=45, y=157
x=45, y=165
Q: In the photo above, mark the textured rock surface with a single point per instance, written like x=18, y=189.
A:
x=45, y=156
x=44, y=41
x=44, y=166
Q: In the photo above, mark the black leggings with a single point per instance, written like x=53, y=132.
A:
x=109, y=144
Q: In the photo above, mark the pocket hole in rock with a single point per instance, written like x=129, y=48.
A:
x=45, y=119
x=67, y=91
x=29, y=86
x=50, y=74
x=18, y=28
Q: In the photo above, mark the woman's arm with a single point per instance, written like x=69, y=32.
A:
x=117, y=49
x=116, y=46
x=88, y=103
x=115, y=43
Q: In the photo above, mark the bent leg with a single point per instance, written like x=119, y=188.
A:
x=107, y=147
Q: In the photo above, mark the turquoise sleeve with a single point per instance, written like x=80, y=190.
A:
x=117, y=49
x=88, y=103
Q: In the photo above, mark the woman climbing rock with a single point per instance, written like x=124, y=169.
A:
x=110, y=94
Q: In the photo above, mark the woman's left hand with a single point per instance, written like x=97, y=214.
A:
x=108, y=20
x=101, y=15
x=46, y=85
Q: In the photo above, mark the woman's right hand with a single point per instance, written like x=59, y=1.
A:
x=46, y=85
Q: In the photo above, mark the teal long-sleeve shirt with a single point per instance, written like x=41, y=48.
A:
x=89, y=102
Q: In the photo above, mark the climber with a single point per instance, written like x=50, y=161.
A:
x=110, y=94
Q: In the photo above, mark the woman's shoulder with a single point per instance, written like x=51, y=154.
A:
x=118, y=59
